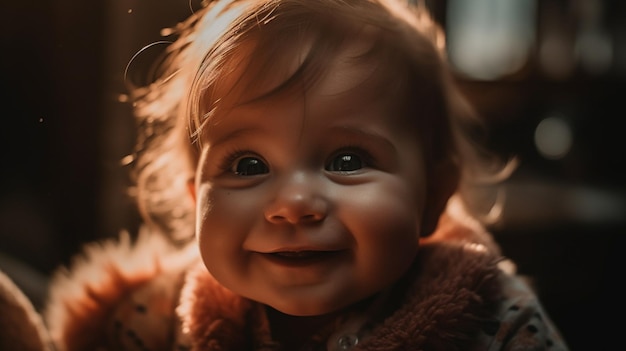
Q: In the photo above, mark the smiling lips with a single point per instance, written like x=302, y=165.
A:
x=302, y=258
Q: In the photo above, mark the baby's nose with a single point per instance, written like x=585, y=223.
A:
x=299, y=200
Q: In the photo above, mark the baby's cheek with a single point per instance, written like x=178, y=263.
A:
x=385, y=227
x=380, y=263
x=225, y=219
x=383, y=208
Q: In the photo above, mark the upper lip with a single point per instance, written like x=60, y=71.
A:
x=273, y=242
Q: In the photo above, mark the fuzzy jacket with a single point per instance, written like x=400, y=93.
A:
x=145, y=294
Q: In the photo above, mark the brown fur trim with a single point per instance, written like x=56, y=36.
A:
x=213, y=316
x=83, y=296
x=455, y=289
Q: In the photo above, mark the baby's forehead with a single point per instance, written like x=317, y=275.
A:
x=326, y=66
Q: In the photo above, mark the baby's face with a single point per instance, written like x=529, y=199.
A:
x=311, y=201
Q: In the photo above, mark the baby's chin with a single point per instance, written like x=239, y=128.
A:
x=304, y=310
x=304, y=307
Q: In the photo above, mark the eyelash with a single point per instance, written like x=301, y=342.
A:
x=227, y=161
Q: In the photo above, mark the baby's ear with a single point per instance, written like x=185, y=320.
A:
x=441, y=185
x=191, y=189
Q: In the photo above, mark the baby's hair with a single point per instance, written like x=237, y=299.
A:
x=249, y=38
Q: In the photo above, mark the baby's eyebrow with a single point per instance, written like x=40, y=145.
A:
x=352, y=132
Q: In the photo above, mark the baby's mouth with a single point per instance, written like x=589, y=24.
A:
x=299, y=254
x=303, y=257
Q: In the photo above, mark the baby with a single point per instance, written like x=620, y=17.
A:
x=300, y=169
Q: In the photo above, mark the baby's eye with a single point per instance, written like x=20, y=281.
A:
x=346, y=162
x=249, y=166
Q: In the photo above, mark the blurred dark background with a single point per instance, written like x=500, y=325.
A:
x=549, y=77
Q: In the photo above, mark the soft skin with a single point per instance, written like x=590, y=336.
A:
x=311, y=170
